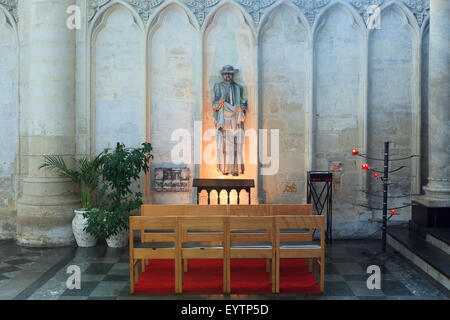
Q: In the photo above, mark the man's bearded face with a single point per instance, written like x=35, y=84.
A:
x=228, y=77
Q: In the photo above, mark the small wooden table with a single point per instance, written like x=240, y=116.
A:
x=221, y=184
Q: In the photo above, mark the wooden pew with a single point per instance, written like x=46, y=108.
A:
x=305, y=251
x=250, y=244
x=204, y=239
x=229, y=210
x=170, y=233
x=233, y=210
x=181, y=228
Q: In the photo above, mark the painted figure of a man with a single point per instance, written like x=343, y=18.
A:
x=229, y=108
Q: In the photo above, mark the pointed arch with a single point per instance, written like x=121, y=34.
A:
x=267, y=17
x=407, y=17
x=208, y=24
x=99, y=24
x=155, y=19
x=320, y=20
x=101, y=17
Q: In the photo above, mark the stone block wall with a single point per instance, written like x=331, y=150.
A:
x=311, y=69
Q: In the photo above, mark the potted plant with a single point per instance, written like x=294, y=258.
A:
x=86, y=177
x=120, y=168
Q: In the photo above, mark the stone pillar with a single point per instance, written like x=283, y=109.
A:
x=432, y=209
x=439, y=101
x=46, y=203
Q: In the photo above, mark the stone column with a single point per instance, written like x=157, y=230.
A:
x=431, y=210
x=439, y=101
x=46, y=204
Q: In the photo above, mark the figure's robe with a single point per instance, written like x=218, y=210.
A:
x=229, y=127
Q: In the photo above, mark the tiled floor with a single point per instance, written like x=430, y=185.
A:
x=40, y=274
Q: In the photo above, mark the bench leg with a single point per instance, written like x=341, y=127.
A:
x=143, y=265
x=225, y=276
x=178, y=276
x=268, y=262
x=310, y=265
x=322, y=273
x=182, y=272
x=228, y=275
x=146, y=262
x=272, y=273
x=277, y=273
x=185, y=265
x=131, y=276
x=136, y=273
x=317, y=266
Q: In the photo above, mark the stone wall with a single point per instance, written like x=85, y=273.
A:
x=9, y=122
x=312, y=69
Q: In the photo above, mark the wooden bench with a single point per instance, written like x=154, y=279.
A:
x=287, y=223
x=233, y=210
x=165, y=229
x=292, y=249
x=225, y=210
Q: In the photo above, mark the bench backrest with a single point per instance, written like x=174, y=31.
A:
x=290, y=209
x=255, y=228
x=155, y=229
x=225, y=210
x=212, y=229
x=299, y=222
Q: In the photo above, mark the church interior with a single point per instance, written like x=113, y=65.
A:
x=224, y=149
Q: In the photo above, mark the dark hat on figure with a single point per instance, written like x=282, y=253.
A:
x=228, y=69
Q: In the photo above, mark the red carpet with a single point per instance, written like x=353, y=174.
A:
x=248, y=276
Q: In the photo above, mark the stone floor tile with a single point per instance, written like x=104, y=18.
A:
x=86, y=289
x=108, y=289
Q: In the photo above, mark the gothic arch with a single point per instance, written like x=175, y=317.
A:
x=266, y=19
x=100, y=18
x=407, y=17
x=154, y=20
x=97, y=25
x=246, y=19
x=321, y=18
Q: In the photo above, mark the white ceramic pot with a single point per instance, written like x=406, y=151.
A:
x=119, y=240
x=83, y=238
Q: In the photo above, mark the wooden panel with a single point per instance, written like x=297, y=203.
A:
x=291, y=209
x=204, y=236
x=249, y=210
x=146, y=253
x=238, y=253
x=295, y=237
x=197, y=253
x=300, y=222
x=153, y=223
x=250, y=237
x=162, y=210
x=214, y=223
x=159, y=237
x=300, y=253
x=250, y=223
x=210, y=210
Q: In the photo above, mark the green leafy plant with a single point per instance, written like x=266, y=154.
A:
x=85, y=175
x=120, y=168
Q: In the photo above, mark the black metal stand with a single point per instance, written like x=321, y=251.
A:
x=322, y=200
x=385, y=192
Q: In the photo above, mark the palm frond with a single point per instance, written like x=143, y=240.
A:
x=57, y=163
